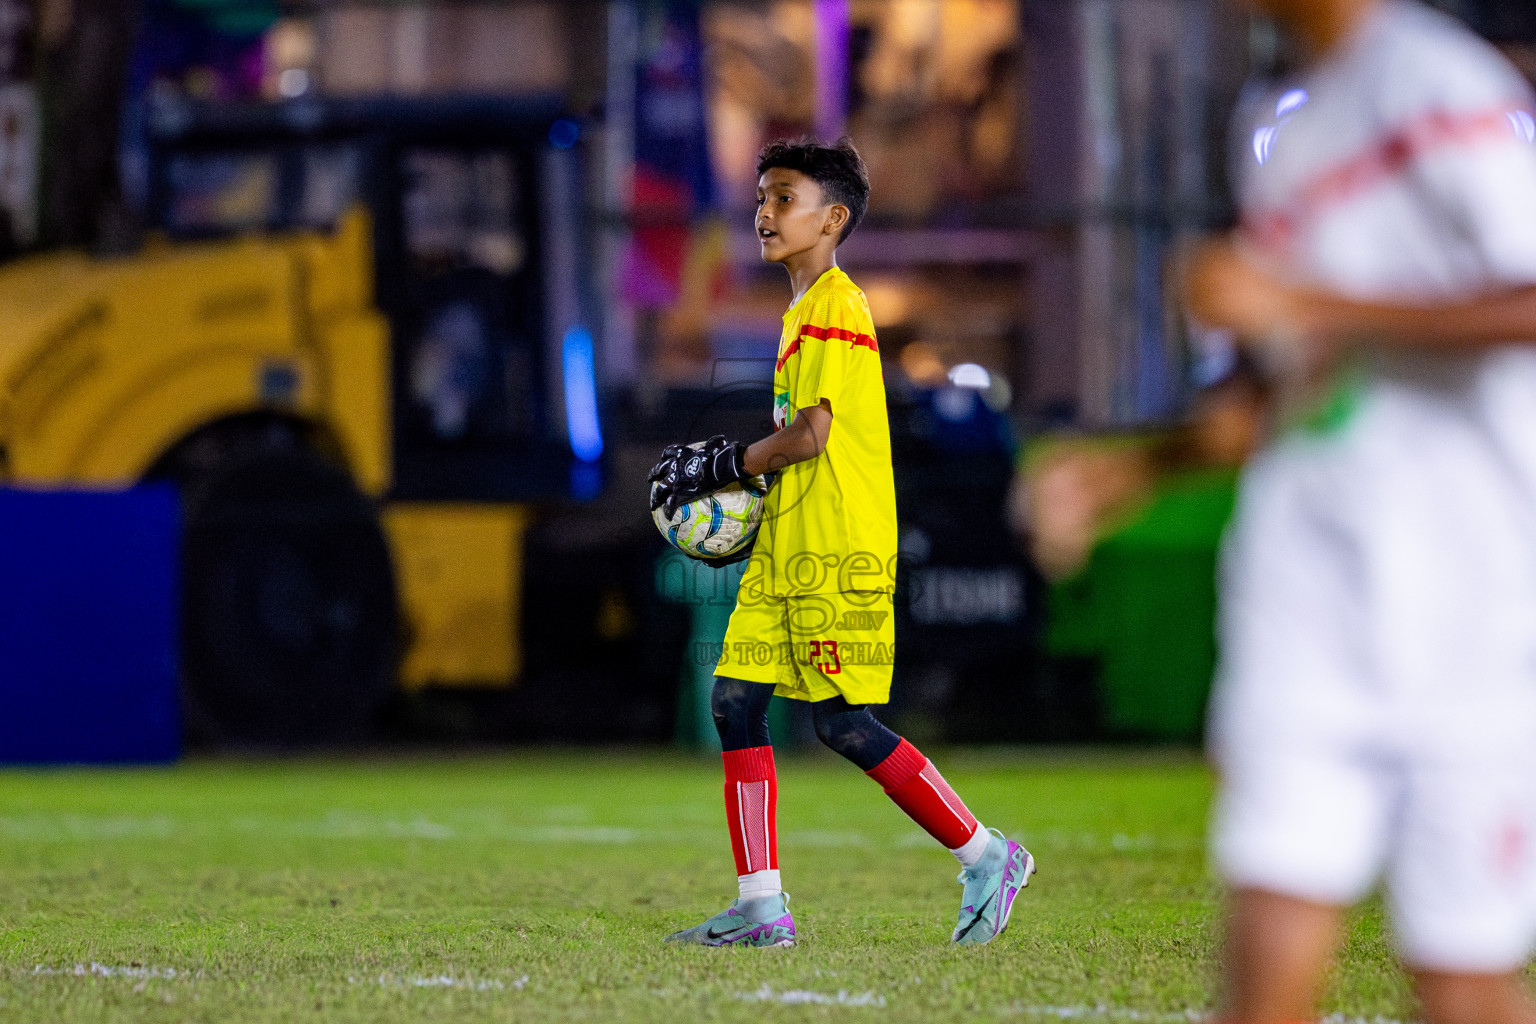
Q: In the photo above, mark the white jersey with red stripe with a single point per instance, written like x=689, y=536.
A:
x=1402, y=169
x=1375, y=708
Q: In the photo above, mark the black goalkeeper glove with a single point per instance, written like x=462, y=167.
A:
x=686, y=473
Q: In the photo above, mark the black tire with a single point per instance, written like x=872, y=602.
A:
x=290, y=621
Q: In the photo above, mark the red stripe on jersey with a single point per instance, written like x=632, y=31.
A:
x=1274, y=229
x=823, y=334
x=789, y=350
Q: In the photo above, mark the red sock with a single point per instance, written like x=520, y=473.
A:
x=752, y=808
x=916, y=786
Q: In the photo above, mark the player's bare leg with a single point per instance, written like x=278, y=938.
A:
x=1277, y=949
x=1474, y=998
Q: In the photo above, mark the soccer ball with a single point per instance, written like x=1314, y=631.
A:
x=717, y=525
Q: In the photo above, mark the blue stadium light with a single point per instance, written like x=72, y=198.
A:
x=586, y=480
x=581, y=395
x=1291, y=102
x=1523, y=124
x=564, y=133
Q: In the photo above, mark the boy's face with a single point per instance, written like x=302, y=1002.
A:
x=792, y=215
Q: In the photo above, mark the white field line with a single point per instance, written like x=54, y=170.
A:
x=94, y=969
x=764, y=994
x=1125, y=1013
x=828, y=839
x=800, y=996
x=343, y=824
x=1102, y=1012
x=61, y=828
x=446, y=981
x=1056, y=841
x=100, y=970
x=85, y=827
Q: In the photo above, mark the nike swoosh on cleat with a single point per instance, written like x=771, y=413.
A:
x=962, y=933
x=720, y=935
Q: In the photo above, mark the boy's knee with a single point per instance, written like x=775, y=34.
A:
x=823, y=726
x=853, y=732
x=740, y=711
x=727, y=703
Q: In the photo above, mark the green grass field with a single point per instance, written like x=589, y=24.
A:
x=537, y=886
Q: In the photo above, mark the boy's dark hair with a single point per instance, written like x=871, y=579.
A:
x=837, y=168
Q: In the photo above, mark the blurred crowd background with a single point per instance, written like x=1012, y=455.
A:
x=337, y=336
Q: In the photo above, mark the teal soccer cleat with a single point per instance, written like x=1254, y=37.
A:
x=759, y=922
x=990, y=887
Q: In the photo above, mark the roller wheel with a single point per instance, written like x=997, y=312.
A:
x=290, y=618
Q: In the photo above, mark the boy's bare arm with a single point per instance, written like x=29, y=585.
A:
x=1226, y=289
x=1488, y=319
x=801, y=441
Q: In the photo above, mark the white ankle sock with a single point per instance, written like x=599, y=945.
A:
x=974, y=847
x=759, y=884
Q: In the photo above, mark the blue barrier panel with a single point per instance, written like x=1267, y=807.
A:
x=88, y=626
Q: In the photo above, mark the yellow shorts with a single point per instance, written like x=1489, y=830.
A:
x=813, y=646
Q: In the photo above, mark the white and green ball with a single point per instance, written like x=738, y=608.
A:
x=717, y=525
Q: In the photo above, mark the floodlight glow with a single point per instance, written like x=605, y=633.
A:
x=1523, y=124
x=292, y=83
x=1290, y=101
x=1263, y=138
x=970, y=375
x=581, y=422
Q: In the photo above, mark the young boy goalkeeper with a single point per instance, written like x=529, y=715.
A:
x=813, y=617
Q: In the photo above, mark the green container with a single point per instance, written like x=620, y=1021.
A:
x=1144, y=609
x=707, y=595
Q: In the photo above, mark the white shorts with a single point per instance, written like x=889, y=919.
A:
x=1374, y=715
x=1452, y=843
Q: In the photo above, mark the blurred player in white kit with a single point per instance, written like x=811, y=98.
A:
x=1375, y=711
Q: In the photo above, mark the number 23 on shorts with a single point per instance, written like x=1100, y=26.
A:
x=824, y=656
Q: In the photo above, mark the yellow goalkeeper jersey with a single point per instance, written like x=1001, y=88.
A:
x=829, y=524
